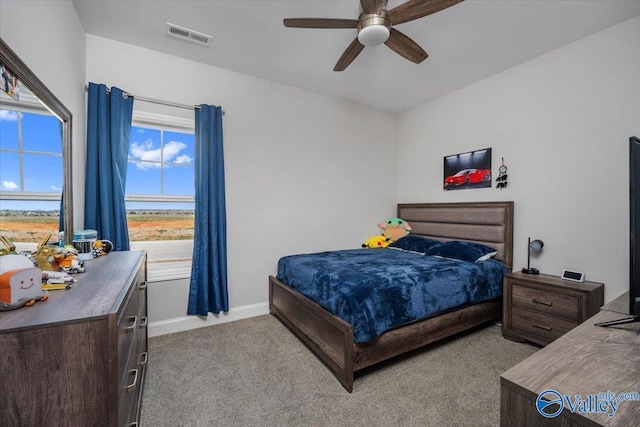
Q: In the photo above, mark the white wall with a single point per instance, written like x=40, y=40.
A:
x=48, y=37
x=304, y=172
x=562, y=123
x=307, y=172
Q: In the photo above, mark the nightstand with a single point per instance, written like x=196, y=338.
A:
x=541, y=308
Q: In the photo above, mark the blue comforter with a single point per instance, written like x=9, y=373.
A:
x=378, y=289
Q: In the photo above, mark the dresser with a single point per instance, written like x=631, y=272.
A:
x=541, y=308
x=588, y=360
x=79, y=358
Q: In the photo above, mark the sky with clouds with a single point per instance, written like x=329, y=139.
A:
x=42, y=157
x=160, y=162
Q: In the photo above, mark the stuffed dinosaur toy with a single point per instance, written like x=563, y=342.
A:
x=377, y=242
x=395, y=228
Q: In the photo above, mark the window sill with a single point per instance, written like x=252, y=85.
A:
x=165, y=271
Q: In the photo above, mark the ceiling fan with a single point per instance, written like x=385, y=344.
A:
x=375, y=26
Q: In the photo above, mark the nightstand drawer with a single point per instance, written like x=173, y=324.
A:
x=552, y=303
x=545, y=327
x=541, y=308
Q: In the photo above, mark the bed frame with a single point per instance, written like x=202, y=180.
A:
x=331, y=338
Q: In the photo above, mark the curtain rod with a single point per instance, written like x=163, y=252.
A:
x=156, y=101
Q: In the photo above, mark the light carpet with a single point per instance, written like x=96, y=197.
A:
x=255, y=372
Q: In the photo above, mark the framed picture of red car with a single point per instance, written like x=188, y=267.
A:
x=468, y=170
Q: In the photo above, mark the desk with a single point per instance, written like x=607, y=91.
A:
x=587, y=360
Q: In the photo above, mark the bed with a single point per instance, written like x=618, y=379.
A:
x=332, y=339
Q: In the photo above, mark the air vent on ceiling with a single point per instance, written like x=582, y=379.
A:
x=188, y=35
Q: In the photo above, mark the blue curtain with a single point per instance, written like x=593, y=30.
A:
x=108, y=130
x=208, y=286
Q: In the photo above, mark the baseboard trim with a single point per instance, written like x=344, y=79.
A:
x=185, y=323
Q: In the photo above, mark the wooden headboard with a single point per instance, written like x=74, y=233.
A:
x=489, y=223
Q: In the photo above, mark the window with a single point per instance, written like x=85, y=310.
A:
x=30, y=171
x=160, y=193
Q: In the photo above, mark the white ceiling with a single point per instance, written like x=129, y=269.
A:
x=466, y=43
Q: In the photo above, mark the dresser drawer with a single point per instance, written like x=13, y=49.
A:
x=141, y=332
x=136, y=411
x=546, y=302
x=141, y=287
x=128, y=322
x=129, y=393
x=139, y=351
x=546, y=327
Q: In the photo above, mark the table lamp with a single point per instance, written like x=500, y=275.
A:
x=536, y=246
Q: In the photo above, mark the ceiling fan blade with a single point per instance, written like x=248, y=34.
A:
x=371, y=6
x=320, y=23
x=406, y=47
x=349, y=55
x=414, y=9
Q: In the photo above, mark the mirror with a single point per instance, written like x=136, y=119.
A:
x=29, y=83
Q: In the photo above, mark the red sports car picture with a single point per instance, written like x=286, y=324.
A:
x=468, y=176
x=467, y=171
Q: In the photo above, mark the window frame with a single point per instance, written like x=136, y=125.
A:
x=172, y=270
x=29, y=104
x=161, y=122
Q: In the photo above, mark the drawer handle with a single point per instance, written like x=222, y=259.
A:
x=133, y=320
x=143, y=322
x=131, y=386
x=537, y=301
x=144, y=355
x=546, y=328
x=143, y=285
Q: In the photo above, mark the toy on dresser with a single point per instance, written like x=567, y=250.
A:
x=20, y=282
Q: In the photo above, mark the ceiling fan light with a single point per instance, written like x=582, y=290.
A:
x=373, y=35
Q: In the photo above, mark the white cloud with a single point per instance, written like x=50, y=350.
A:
x=183, y=159
x=9, y=116
x=9, y=185
x=147, y=152
x=54, y=188
x=172, y=149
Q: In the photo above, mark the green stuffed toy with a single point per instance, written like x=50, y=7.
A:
x=392, y=230
x=377, y=242
x=395, y=228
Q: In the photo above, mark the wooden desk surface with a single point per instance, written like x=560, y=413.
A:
x=587, y=360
